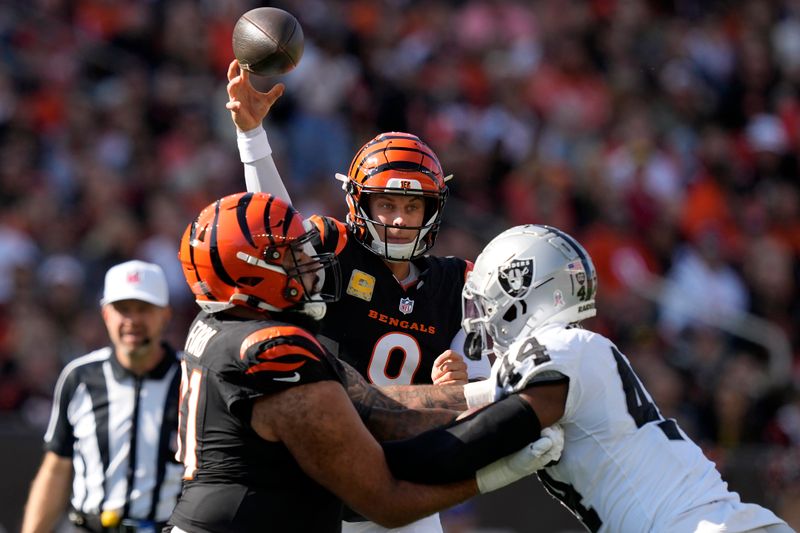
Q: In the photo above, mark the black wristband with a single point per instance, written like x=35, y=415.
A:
x=456, y=451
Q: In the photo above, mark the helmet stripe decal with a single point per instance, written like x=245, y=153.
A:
x=192, y=237
x=406, y=166
x=287, y=220
x=406, y=142
x=216, y=261
x=198, y=280
x=383, y=138
x=411, y=164
x=581, y=255
x=241, y=217
x=267, y=225
x=391, y=148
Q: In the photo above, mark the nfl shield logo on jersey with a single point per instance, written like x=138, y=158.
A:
x=515, y=278
x=406, y=305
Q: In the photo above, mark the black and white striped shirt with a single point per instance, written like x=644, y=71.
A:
x=121, y=432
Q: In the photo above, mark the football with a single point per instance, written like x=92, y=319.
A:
x=268, y=41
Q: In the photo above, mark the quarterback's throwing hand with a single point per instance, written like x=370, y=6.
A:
x=247, y=105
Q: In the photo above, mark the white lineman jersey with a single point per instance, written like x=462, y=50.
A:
x=624, y=467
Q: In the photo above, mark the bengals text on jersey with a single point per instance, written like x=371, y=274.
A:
x=391, y=334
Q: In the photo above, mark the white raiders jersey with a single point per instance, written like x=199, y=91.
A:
x=624, y=467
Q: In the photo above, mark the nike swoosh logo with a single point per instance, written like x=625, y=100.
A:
x=290, y=379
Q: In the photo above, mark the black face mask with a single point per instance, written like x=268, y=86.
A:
x=473, y=346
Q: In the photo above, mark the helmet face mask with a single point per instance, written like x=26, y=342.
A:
x=525, y=278
x=394, y=164
x=253, y=250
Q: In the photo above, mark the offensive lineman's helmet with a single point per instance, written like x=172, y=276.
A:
x=395, y=163
x=252, y=250
x=527, y=276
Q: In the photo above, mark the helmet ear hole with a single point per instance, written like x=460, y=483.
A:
x=519, y=308
x=249, y=281
x=511, y=314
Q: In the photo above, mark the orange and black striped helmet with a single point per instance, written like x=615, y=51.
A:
x=254, y=250
x=395, y=163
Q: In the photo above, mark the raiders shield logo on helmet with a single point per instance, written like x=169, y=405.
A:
x=515, y=277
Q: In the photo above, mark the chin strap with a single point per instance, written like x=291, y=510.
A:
x=315, y=310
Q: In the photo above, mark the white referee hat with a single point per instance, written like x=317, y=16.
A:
x=136, y=280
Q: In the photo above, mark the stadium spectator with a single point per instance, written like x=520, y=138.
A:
x=703, y=285
x=115, y=419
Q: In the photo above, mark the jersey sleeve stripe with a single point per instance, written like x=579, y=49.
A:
x=319, y=222
x=330, y=230
x=275, y=332
x=274, y=366
x=283, y=350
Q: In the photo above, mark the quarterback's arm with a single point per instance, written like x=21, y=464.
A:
x=48, y=495
x=248, y=109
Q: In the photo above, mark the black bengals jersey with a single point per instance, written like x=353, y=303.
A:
x=391, y=335
x=234, y=480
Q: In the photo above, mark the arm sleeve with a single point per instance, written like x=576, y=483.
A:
x=456, y=451
x=260, y=172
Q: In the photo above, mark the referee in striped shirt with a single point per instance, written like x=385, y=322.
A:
x=114, y=423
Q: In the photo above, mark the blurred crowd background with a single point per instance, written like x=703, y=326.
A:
x=665, y=135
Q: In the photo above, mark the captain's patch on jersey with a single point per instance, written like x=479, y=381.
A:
x=515, y=277
x=361, y=285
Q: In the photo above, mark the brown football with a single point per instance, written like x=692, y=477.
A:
x=268, y=41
